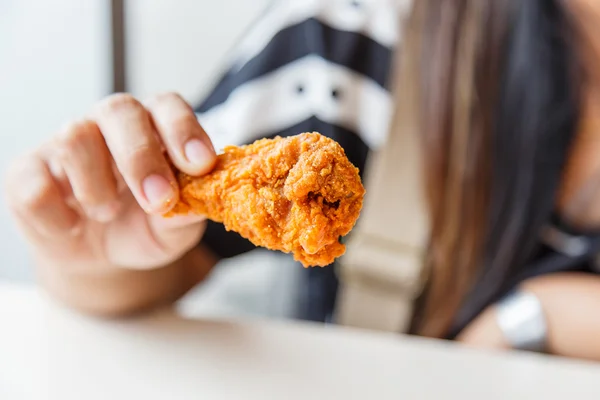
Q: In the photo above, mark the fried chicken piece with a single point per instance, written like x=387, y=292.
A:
x=298, y=195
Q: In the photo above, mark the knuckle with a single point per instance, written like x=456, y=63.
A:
x=37, y=197
x=91, y=189
x=73, y=132
x=135, y=156
x=184, y=124
x=91, y=197
x=26, y=186
x=168, y=97
x=117, y=103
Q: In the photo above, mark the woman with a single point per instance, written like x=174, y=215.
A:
x=506, y=104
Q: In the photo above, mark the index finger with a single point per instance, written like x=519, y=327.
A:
x=185, y=140
x=137, y=152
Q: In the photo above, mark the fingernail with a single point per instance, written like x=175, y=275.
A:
x=158, y=192
x=197, y=153
x=104, y=212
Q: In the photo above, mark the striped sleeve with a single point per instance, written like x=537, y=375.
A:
x=307, y=65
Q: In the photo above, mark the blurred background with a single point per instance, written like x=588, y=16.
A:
x=59, y=57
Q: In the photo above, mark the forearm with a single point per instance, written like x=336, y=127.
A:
x=570, y=303
x=116, y=292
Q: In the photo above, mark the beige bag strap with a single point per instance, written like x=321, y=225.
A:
x=382, y=272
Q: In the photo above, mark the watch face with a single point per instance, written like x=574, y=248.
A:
x=521, y=319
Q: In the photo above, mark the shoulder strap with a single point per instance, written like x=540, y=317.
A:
x=382, y=272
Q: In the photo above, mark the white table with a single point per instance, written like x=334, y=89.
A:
x=47, y=352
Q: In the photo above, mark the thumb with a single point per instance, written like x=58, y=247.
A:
x=142, y=241
x=178, y=234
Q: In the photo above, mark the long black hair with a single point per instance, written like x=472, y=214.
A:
x=498, y=109
x=536, y=122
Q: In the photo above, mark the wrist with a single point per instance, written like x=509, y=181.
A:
x=484, y=332
x=113, y=292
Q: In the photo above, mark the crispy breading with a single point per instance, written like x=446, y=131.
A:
x=298, y=194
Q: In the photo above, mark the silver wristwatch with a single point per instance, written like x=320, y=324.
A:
x=521, y=318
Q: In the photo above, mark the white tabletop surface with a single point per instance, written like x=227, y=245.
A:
x=47, y=352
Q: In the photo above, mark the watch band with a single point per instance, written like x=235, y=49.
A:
x=521, y=318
